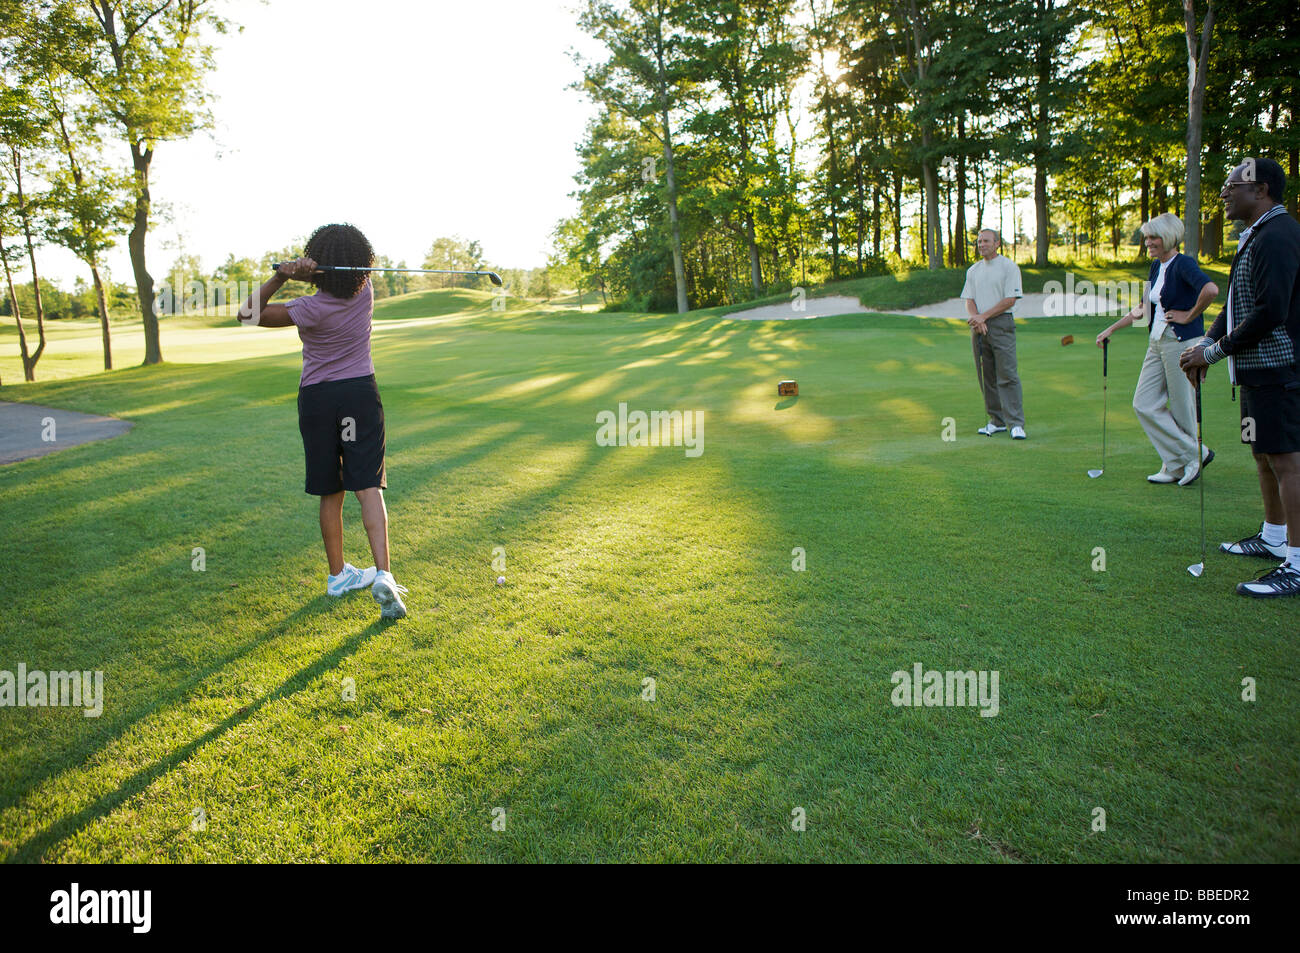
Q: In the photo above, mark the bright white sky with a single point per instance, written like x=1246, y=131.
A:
x=461, y=123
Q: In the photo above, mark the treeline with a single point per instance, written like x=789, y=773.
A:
x=742, y=147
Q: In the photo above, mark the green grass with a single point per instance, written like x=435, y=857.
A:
x=1119, y=689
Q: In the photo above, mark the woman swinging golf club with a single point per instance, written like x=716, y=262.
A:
x=340, y=415
x=1179, y=292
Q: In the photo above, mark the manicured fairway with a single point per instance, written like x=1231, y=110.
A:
x=1119, y=690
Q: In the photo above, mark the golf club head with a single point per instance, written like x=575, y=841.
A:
x=1196, y=569
x=494, y=278
x=1095, y=473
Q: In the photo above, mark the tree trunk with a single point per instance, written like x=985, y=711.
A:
x=1042, y=146
x=1197, y=67
x=875, y=220
x=101, y=300
x=1213, y=246
x=898, y=213
x=958, y=237
x=862, y=204
x=930, y=183
x=140, y=158
x=933, y=230
x=670, y=175
x=832, y=187
x=25, y=218
x=29, y=366
x=1295, y=177
x=1146, y=194
x=755, y=269
x=1042, y=230
x=670, y=171
x=947, y=209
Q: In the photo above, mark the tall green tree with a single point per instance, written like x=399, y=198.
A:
x=641, y=80
x=144, y=62
x=23, y=135
x=88, y=205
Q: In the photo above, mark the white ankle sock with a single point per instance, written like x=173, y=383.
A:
x=1273, y=534
x=1293, y=556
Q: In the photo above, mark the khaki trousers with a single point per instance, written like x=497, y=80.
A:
x=995, y=364
x=1171, y=428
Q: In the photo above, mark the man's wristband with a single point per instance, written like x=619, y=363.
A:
x=1214, y=353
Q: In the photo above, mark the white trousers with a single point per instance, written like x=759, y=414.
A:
x=1166, y=403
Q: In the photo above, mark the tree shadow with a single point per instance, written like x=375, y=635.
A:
x=34, y=848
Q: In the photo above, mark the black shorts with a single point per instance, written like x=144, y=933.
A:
x=1275, y=410
x=342, y=426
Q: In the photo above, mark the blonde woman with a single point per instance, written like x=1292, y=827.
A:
x=1177, y=296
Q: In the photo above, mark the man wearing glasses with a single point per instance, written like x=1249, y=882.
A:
x=1258, y=334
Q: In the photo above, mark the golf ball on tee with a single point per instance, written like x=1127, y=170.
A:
x=501, y=580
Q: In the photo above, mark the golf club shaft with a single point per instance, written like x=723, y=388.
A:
x=1105, y=353
x=1200, y=453
x=491, y=275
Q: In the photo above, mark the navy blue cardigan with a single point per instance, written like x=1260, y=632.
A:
x=1183, y=283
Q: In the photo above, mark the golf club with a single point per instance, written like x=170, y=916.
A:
x=1197, y=568
x=492, y=276
x=1105, y=352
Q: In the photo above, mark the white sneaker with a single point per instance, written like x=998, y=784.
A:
x=1164, y=476
x=1017, y=433
x=990, y=428
x=1190, y=473
x=388, y=594
x=348, y=579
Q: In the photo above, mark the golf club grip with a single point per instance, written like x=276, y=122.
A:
x=275, y=267
x=1105, y=355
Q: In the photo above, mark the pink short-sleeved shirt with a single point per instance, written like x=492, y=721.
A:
x=335, y=335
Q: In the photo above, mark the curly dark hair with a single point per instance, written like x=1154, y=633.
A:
x=340, y=245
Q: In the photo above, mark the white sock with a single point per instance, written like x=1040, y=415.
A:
x=1273, y=534
x=1293, y=556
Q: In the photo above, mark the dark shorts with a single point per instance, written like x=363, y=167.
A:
x=1275, y=409
x=342, y=426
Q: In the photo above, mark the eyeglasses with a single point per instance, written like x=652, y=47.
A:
x=1228, y=186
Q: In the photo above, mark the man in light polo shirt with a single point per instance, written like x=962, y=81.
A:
x=991, y=289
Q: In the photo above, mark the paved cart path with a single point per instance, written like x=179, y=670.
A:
x=1030, y=306
x=25, y=430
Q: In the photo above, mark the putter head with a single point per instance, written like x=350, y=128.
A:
x=1095, y=473
x=1196, y=569
x=494, y=278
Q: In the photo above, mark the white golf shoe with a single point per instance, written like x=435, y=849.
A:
x=348, y=579
x=388, y=594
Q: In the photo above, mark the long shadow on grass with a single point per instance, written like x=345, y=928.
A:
x=101, y=734
x=33, y=849
x=98, y=737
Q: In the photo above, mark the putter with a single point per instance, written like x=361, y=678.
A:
x=492, y=276
x=1105, y=351
x=1197, y=568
